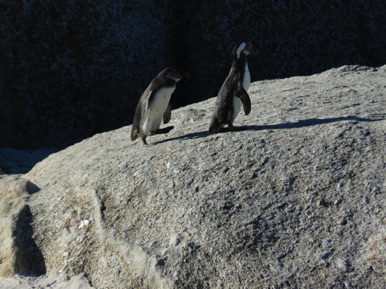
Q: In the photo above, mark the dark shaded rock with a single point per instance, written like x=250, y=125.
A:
x=8, y=115
x=78, y=68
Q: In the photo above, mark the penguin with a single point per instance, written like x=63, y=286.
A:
x=233, y=93
x=154, y=105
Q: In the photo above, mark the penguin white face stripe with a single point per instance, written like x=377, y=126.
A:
x=241, y=47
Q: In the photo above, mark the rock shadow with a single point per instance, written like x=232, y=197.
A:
x=29, y=258
x=306, y=123
x=287, y=125
x=194, y=135
x=18, y=161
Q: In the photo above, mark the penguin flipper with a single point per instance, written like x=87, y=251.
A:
x=144, y=111
x=245, y=100
x=139, y=117
x=167, y=114
x=135, y=130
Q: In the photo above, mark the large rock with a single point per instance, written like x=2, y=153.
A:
x=295, y=200
x=79, y=67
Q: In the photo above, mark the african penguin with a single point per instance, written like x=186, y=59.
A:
x=154, y=105
x=233, y=93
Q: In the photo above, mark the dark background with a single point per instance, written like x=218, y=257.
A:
x=76, y=68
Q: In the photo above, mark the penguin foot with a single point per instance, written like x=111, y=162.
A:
x=227, y=129
x=231, y=127
x=143, y=139
x=213, y=130
x=238, y=128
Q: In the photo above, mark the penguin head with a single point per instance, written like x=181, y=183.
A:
x=245, y=48
x=174, y=74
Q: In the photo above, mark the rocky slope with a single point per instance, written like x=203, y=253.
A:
x=295, y=199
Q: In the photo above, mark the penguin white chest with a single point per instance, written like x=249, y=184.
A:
x=237, y=104
x=236, y=107
x=246, y=78
x=156, y=109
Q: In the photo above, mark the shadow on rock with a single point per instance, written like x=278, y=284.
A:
x=307, y=122
x=287, y=125
x=194, y=135
x=29, y=258
x=17, y=161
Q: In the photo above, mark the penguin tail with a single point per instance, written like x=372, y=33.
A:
x=214, y=126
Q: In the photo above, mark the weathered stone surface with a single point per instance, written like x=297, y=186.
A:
x=26, y=282
x=295, y=200
x=79, y=67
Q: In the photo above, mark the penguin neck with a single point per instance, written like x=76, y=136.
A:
x=240, y=67
x=169, y=82
x=240, y=63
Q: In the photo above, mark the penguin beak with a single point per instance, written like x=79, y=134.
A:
x=184, y=74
